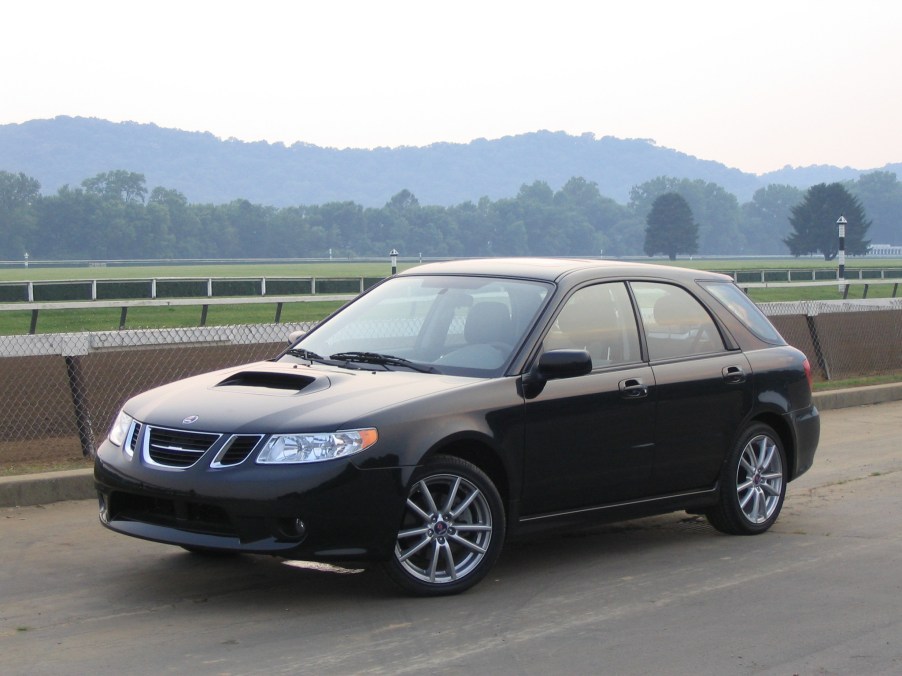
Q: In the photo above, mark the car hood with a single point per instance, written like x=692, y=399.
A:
x=270, y=397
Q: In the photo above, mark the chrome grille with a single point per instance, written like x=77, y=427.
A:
x=133, y=438
x=177, y=448
x=237, y=450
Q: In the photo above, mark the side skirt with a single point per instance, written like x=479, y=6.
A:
x=695, y=500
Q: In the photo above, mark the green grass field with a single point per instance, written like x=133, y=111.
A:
x=370, y=269
x=16, y=322
x=331, y=269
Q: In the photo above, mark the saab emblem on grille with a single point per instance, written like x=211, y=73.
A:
x=190, y=419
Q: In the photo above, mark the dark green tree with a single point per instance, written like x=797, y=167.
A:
x=346, y=227
x=881, y=197
x=715, y=210
x=19, y=195
x=599, y=224
x=71, y=225
x=545, y=234
x=471, y=225
x=671, y=229
x=717, y=213
x=392, y=226
x=117, y=186
x=765, y=219
x=18, y=190
x=814, y=223
x=429, y=227
x=506, y=234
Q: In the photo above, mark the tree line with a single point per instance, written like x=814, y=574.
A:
x=114, y=215
x=672, y=229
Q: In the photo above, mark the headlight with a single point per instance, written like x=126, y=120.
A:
x=119, y=430
x=316, y=446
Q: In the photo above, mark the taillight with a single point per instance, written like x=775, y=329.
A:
x=807, y=365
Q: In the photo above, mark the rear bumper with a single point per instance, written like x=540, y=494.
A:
x=806, y=425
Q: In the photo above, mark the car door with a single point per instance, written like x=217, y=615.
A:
x=704, y=390
x=589, y=439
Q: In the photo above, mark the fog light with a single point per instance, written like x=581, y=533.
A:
x=104, y=512
x=292, y=528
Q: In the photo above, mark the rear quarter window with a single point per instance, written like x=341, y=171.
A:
x=741, y=306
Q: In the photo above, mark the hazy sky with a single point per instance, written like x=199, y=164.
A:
x=755, y=84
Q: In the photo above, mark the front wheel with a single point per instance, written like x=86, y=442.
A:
x=451, y=532
x=752, y=484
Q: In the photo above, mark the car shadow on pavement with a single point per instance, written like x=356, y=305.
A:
x=168, y=575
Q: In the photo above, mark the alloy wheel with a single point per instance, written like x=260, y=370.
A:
x=759, y=479
x=446, y=531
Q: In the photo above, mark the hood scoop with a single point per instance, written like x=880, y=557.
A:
x=272, y=383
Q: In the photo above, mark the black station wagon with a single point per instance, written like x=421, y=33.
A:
x=459, y=404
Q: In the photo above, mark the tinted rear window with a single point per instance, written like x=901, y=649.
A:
x=742, y=307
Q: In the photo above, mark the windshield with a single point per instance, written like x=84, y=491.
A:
x=450, y=324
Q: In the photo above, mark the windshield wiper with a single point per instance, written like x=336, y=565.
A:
x=382, y=360
x=305, y=354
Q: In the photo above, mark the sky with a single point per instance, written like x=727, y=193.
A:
x=753, y=84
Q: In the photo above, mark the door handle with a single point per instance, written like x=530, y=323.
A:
x=633, y=388
x=733, y=375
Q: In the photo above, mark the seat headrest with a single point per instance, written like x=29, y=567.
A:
x=488, y=322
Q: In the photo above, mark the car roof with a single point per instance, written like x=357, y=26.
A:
x=553, y=269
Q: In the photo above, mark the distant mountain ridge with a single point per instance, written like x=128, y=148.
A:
x=206, y=169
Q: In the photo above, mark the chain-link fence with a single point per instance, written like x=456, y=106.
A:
x=843, y=339
x=60, y=392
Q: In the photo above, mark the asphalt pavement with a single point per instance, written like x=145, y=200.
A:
x=38, y=489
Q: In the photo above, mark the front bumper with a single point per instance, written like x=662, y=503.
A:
x=327, y=511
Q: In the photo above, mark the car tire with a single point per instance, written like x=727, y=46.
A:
x=752, y=484
x=452, y=530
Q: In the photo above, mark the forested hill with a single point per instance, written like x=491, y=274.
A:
x=206, y=169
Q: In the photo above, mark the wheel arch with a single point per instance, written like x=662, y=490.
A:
x=458, y=465
x=483, y=456
x=779, y=425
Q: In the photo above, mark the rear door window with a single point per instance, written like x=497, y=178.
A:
x=676, y=323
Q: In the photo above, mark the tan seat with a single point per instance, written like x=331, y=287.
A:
x=489, y=322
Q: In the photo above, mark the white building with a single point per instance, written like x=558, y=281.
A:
x=885, y=250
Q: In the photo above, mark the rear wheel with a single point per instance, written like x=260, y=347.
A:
x=752, y=484
x=451, y=532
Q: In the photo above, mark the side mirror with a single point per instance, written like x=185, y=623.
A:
x=555, y=365
x=295, y=336
x=564, y=364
